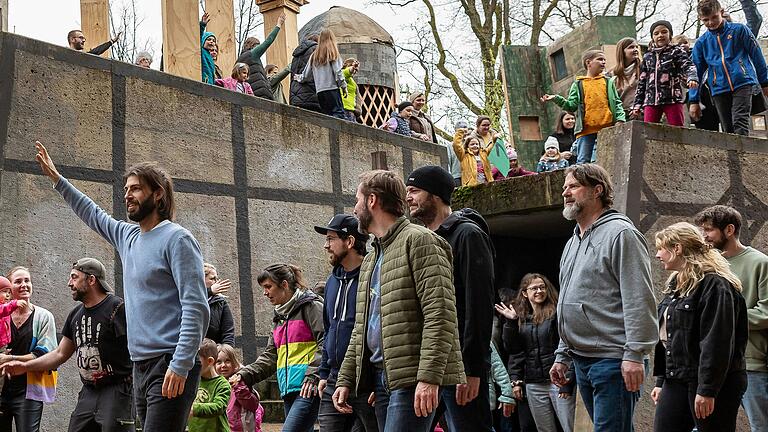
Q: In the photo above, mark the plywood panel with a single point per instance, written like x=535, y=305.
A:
x=181, y=38
x=222, y=24
x=94, y=15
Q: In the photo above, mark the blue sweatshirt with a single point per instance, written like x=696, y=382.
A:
x=166, y=303
x=338, y=319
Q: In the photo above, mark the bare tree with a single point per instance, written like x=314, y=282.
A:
x=126, y=19
x=247, y=19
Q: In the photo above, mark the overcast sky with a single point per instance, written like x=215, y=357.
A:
x=50, y=20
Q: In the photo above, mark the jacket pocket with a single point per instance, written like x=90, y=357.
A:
x=685, y=315
x=577, y=328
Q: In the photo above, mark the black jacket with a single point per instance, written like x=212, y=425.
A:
x=706, y=336
x=473, y=278
x=221, y=328
x=532, y=350
x=257, y=76
x=303, y=95
x=338, y=319
x=99, y=50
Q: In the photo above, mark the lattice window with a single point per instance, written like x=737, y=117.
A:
x=378, y=103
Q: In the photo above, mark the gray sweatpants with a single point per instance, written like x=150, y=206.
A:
x=547, y=408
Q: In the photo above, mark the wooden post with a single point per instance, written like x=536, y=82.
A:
x=281, y=51
x=222, y=24
x=4, y=15
x=94, y=17
x=181, y=38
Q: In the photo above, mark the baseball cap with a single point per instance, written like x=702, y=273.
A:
x=93, y=267
x=342, y=223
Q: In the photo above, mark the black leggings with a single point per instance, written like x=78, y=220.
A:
x=675, y=410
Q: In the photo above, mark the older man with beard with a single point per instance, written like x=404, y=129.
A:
x=606, y=312
x=346, y=248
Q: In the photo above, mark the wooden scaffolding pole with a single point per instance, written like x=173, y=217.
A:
x=94, y=17
x=181, y=38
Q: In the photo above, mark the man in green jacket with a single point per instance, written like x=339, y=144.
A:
x=405, y=343
x=721, y=226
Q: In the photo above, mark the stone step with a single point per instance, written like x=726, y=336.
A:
x=273, y=410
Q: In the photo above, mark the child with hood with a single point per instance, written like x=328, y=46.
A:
x=208, y=43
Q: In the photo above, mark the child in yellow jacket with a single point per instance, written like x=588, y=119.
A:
x=473, y=158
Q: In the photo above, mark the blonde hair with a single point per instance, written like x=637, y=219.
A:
x=326, y=51
x=231, y=354
x=349, y=62
x=237, y=68
x=14, y=270
x=700, y=258
x=678, y=39
x=590, y=55
x=208, y=268
x=618, y=70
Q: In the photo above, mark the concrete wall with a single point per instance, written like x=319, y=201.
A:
x=252, y=176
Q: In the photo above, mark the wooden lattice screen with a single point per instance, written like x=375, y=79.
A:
x=378, y=103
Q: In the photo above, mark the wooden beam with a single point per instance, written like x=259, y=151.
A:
x=281, y=51
x=181, y=38
x=94, y=17
x=222, y=24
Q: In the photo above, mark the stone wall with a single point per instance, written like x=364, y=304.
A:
x=252, y=177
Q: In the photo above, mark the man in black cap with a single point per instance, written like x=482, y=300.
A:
x=346, y=248
x=428, y=193
x=96, y=330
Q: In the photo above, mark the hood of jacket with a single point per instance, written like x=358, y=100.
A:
x=303, y=47
x=309, y=296
x=465, y=215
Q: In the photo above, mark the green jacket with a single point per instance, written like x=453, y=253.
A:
x=420, y=335
x=209, y=410
x=575, y=102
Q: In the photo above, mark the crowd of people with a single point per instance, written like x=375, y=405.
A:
x=402, y=337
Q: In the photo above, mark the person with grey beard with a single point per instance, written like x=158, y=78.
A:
x=607, y=311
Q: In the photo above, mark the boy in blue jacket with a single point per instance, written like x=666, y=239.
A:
x=734, y=63
x=346, y=248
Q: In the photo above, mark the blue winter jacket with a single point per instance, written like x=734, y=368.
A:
x=338, y=319
x=732, y=57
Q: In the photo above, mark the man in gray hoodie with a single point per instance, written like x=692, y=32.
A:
x=606, y=311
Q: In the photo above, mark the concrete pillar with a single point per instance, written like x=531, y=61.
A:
x=94, y=18
x=281, y=51
x=181, y=38
x=4, y=15
x=222, y=24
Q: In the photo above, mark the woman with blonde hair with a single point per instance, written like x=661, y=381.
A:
x=699, y=362
x=324, y=67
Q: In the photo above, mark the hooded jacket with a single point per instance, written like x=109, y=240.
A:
x=206, y=60
x=731, y=58
x=663, y=73
x=338, y=319
x=606, y=308
x=221, y=327
x=257, y=76
x=473, y=276
x=303, y=94
x=292, y=350
x=575, y=102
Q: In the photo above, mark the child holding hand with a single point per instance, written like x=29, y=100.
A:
x=209, y=410
x=244, y=411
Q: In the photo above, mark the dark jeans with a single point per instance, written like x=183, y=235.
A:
x=605, y=396
x=155, y=412
x=331, y=104
x=300, y=413
x=734, y=110
x=363, y=415
x=675, y=409
x=108, y=408
x=394, y=409
x=24, y=413
x=474, y=416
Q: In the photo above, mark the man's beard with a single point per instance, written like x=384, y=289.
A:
x=78, y=295
x=719, y=244
x=337, y=259
x=570, y=212
x=364, y=219
x=145, y=208
x=425, y=212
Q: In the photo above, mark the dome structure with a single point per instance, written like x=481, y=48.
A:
x=358, y=36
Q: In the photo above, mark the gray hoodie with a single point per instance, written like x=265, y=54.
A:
x=606, y=308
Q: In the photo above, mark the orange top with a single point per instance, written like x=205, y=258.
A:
x=597, y=110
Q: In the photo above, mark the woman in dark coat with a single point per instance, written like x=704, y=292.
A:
x=221, y=327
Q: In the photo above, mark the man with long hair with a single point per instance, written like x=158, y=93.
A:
x=162, y=268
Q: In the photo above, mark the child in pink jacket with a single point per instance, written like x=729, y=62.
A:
x=238, y=82
x=244, y=411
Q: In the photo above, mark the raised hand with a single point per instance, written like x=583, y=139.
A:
x=506, y=311
x=281, y=20
x=206, y=18
x=547, y=98
x=46, y=163
x=221, y=286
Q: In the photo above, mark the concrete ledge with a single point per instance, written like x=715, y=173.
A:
x=518, y=195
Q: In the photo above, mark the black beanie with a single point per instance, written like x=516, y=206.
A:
x=403, y=105
x=662, y=23
x=434, y=180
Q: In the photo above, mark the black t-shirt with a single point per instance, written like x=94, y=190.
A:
x=99, y=333
x=21, y=342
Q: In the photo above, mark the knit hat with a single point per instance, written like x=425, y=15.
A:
x=403, y=105
x=551, y=142
x=662, y=23
x=4, y=283
x=412, y=97
x=511, y=154
x=434, y=180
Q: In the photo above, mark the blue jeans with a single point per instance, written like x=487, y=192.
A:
x=474, y=416
x=605, y=396
x=754, y=21
x=300, y=413
x=586, y=147
x=394, y=409
x=755, y=400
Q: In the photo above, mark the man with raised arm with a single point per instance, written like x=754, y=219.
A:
x=165, y=297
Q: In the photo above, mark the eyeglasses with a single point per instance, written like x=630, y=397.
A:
x=541, y=288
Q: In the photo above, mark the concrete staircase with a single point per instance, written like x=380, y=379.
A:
x=271, y=401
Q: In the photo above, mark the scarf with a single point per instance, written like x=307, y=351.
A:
x=284, y=309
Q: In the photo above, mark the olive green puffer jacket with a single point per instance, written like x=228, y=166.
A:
x=420, y=336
